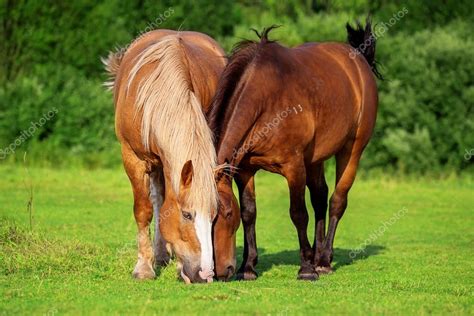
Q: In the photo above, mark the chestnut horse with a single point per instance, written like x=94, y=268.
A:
x=287, y=110
x=161, y=85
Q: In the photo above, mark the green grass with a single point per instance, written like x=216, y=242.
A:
x=80, y=255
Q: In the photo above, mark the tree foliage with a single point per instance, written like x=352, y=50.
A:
x=50, y=59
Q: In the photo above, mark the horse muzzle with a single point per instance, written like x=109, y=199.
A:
x=198, y=276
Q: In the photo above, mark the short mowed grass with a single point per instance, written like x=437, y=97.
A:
x=80, y=254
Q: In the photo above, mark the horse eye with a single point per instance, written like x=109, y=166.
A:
x=187, y=215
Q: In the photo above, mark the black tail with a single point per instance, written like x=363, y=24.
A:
x=363, y=41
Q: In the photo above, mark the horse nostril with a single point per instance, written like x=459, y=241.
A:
x=226, y=274
x=206, y=275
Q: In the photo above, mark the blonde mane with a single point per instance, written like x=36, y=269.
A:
x=173, y=120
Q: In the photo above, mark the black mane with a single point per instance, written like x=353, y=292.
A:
x=242, y=55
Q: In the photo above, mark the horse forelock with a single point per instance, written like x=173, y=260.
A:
x=173, y=120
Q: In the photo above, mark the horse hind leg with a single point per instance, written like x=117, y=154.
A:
x=318, y=190
x=157, y=193
x=142, y=210
x=347, y=161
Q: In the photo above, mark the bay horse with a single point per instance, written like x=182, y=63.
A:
x=287, y=110
x=162, y=85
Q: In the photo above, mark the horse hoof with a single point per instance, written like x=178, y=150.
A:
x=308, y=276
x=307, y=273
x=324, y=269
x=143, y=272
x=246, y=276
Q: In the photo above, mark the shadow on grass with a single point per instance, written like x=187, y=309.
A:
x=342, y=257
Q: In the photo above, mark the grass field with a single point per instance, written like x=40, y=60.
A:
x=81, y=253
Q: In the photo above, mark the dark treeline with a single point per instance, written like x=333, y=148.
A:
x=53, y=104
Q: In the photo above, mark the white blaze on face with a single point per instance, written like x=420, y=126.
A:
x=203, y=227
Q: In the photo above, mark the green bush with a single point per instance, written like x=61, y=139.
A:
x=425, y=121
x=65, y=116
x=50, y=62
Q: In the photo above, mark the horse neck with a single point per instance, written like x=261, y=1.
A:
x=231, y=147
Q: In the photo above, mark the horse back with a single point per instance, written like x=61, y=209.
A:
x=327, y=94
x=202, y=60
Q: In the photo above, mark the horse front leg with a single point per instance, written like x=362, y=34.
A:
x=248, y=210
x=142, y=210
x=318, y=189
x=295, y=175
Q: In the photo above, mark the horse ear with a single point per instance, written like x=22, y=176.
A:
x=186, y=176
